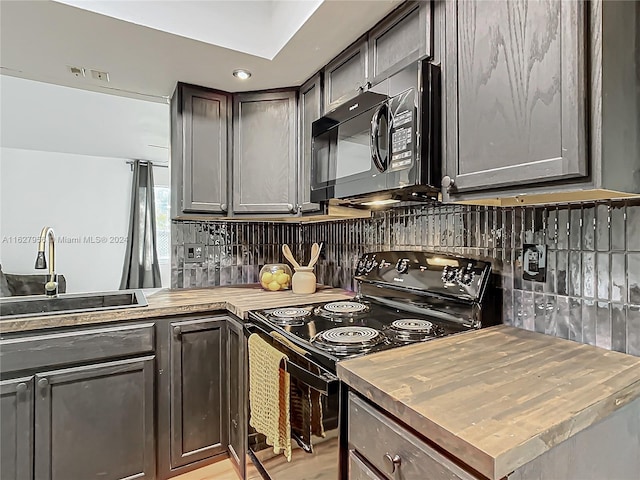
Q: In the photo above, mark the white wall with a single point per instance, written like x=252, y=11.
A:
x=79, y=197
x=79, y=186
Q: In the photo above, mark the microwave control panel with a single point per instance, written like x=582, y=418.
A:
x=402, y=132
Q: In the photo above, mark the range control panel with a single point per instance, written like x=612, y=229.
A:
x=441, y=274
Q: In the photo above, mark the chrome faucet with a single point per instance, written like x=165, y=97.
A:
x=51, y=287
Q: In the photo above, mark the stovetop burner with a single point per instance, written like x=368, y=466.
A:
x=414, y=330
x=349, y=335
x=289, y=316
x=348, y=340
x=342, y=309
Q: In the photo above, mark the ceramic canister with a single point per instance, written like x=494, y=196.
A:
x=303, y=280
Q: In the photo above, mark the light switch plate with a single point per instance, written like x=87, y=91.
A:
x=194, y=253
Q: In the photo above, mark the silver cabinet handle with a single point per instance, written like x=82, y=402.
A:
x=393, y=462
x=43, y=383
x=224, y=207
x=292, y=208
x=21, y=387
x=177, y=331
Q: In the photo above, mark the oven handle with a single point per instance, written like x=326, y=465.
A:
x=324, y=382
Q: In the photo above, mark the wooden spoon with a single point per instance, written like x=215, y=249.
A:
x=289, y=256
x=315, y=253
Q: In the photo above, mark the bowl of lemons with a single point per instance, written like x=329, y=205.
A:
x=275, y=277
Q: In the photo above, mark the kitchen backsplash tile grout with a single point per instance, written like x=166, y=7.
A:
x=592, y=292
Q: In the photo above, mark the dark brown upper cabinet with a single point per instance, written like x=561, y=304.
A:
x=199, y=150
x=264, y=152
x=346, y=75
x=515, y=93
x=541, y=101
x=400, y=39
x=310, y=110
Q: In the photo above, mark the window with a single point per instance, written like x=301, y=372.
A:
x=163, y=223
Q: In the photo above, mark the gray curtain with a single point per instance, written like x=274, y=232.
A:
x=141, y=268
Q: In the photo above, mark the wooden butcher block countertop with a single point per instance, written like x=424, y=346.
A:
x=499, y=397
x=236, y=299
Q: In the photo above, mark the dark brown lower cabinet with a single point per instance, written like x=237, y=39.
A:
x=16, y=424
x=380, y=448
x=236, y=373
x=198, y=404
x=96, y=421
x=130, y=401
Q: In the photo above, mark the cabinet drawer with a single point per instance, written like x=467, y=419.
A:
x=76, y=346
x=359, y=470
x=380, y=440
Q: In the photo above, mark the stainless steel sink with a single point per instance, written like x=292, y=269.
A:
x=37, y=305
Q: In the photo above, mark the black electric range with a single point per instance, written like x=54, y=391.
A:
x=402, y=298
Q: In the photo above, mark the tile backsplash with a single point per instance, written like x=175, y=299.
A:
x=592, y=290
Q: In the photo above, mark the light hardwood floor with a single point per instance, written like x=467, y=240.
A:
x=221, y=470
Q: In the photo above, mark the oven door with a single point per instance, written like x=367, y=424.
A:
x=322, y=456
x=350, y=157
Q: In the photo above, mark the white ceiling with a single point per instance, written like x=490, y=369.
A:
x=39, y=39
x=256, y=27
x=41, y=116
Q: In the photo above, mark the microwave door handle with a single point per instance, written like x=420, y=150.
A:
x=375, y=136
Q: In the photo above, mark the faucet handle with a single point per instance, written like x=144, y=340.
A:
x=51, y=288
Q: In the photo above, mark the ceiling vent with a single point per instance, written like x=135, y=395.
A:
x=76, y=71
x=100, y=76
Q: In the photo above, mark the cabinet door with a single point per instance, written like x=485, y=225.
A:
x=16, y=437
x=96, y=421
x=264, y=156
x=236, y=372
x=198, y=403
x=346, y=75
x=310, y=111
x=399, y=40
x=199, y=149
x=515, y=100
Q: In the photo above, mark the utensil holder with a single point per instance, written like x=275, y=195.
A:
x=303, y=280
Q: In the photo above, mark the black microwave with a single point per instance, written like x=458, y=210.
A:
x=384, y=145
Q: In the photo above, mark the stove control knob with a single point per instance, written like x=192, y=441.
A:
x=403, y=265
x=370, y=264
x=360, y=266
x=466, y=278
x=449, y=274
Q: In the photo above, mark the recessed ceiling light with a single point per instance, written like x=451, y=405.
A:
x=241, y=74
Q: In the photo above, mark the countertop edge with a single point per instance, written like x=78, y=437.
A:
x=237, y=306
x=81, y=319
